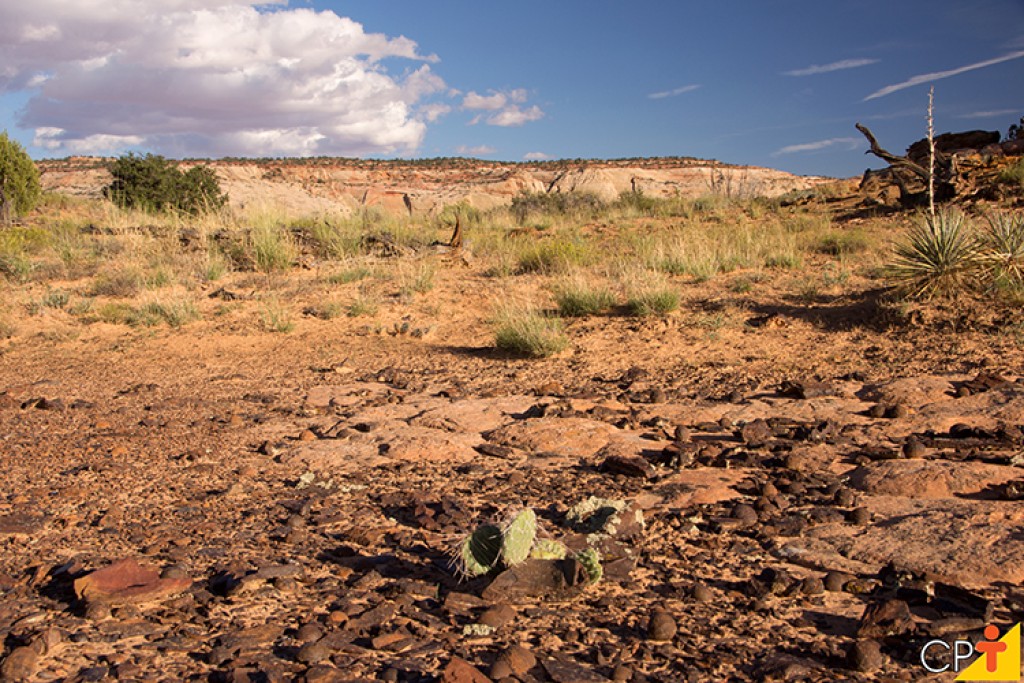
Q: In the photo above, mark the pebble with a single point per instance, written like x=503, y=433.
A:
x=313, y=653
x=515, y=661
x=622, y=674
x=497, y=616
x=913, y=448
x=745, y=513
x=866, y=656
x=701, y=593
x=309, y=633
x=897, y=411
x=20, y=665
x=836, y=581
x=860, y=516
x=662, y=626
x=845, y=498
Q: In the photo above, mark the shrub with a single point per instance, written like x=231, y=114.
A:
x=19, y=180
x=152, y=183
x=940, y=257
x=528, y=332
x=527, y=204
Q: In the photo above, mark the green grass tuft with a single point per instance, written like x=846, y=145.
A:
x=528, y=332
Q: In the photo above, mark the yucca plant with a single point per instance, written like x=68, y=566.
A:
x=1002, y=249
x=940, y=257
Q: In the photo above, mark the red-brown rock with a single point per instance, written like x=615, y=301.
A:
x=127, y=582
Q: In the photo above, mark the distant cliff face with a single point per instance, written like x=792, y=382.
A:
x=423, y=188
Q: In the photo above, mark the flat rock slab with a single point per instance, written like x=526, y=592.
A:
x=912, y=392
x=344, y=395
x=701, y=486
x=571, y=436
x=386, y=443
x=970, y=542
x=399, y=441
x=565, y=670
x=21, y=524
x=473, y=415
x=930, y=478
x=126, y=582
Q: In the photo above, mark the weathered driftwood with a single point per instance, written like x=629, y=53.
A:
x=910, y=176
x=456, y=241
x=960, y=165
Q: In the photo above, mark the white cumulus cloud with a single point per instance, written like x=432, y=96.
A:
x=505, y=108
x=536, y=156
x=213, y=77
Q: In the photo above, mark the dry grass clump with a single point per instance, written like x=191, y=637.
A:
x=348, y=275
x=174, y=311
x=275, y=316
x=527, y=331
x=660, y=301
x=556, y=255
x=365, y=304
x=843, y=242
x=648, y=292
x=416, y=278
x=577, y=297
x=272, y=248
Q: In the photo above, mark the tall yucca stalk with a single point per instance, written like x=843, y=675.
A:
x=1003, y=249
x=940, y=257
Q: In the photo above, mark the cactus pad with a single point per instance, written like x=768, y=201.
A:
x=518, y=536
x=590, y=560
x=479, y=552
x=548, y=549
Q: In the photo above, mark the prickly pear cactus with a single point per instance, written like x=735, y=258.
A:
x=517, y=537
x=479, y=552
x=590, y=560
x=548, y=549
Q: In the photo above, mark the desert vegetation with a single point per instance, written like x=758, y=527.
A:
x=145, y=260
x=601, y=427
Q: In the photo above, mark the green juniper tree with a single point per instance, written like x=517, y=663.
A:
x=19, y=180
x=153, y=183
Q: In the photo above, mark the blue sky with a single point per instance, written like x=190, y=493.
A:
x=776, y=84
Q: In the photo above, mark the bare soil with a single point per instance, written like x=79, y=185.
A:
x=801, y=464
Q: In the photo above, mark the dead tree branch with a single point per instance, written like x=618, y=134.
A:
x=890, y=158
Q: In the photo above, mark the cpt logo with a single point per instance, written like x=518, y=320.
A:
x=998, y=659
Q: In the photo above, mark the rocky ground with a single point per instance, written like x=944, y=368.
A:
x=790, y=476
x=179, y=506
